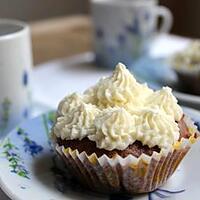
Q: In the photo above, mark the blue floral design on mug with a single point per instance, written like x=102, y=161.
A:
x=25, y=78
x=121, y=39
x=99, y=33
x=26, y=113
x=134, y=27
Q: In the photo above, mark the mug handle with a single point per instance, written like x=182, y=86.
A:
x=167, y=17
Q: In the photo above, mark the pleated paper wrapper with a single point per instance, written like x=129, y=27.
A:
x=126, y=175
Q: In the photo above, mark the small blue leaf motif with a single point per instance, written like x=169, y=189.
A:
x=121, y=39
x=29, y=145
x=16, y=163
x=32, y=147
x=25, y=78
x=99, y=33
x=134, y=28
x=111, y=50
x=146, y=15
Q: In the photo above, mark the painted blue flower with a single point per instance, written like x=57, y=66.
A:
x=32, y=147
x=13, y=154
x=134, y=28
x=146, y=15
x=16, y=163
x=111, y=50
x=99, y=33
x=22, y=168
x=29, y=145
x=121, y=39
x=25, y=78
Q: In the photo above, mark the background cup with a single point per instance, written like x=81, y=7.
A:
x=124, y=29
x=15, y=69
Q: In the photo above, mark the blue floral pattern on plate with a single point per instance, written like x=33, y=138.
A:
x=16, y=163
x=27, y=157
x=30, y=146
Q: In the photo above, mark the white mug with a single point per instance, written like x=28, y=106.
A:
x=124, y=29
x=15, y=69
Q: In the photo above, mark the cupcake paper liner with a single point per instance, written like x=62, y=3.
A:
x=126, y=175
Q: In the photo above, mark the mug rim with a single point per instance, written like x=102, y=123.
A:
x=124, y=3
x=23, y=28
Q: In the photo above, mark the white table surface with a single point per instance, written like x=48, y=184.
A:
x=47, y=90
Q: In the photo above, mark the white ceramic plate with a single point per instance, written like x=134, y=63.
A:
x=79, y=72
x=29, y=169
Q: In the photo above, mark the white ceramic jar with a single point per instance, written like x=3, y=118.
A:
x=15, y=69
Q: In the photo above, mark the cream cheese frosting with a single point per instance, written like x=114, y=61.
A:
x=69, y=103
x=155, y=128
x=166, y=102
x=114, y=129
x=117, y=90
x=75, y=118
x=117, y=111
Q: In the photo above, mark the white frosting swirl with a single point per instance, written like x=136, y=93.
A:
x=119, y=89
x=69, y=103
x=118, y=111
x=90, y=95
x=166, y=102
x=77, y=123
x=154, y=127
x=114, y=129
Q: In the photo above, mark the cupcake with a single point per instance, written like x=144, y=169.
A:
x=187, y=66
x=120, y=136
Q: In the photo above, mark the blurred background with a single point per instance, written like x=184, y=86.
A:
x=186, y=12
x=50, y=17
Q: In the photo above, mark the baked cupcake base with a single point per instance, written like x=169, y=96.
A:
x=128, y=174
